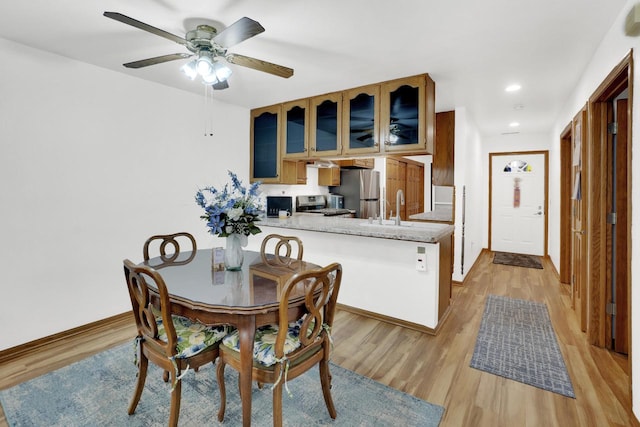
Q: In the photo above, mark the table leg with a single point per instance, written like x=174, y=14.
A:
x=247, y=331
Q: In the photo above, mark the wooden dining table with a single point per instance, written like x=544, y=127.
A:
x=245, y=299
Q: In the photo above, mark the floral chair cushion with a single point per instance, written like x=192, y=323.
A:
x=265, y=340
x=193, y=337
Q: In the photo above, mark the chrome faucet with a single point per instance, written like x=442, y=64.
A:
x=399, y=201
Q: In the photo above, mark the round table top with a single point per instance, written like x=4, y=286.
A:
x=193, y=279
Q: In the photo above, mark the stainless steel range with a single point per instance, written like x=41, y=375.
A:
x=318, y=205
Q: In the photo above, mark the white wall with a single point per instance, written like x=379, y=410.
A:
x=93, y=162
x=469, y=176
x=614, y=47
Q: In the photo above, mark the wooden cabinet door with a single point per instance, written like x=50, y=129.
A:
x=396, y=172
x=295, y=126
x=414, y=198
x=325, y=125
x=329, y=176
x=443, y=158
x=265, y=147
x=361, y=123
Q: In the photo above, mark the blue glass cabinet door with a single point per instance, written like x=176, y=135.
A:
x=361, y=121
x=295, y=129
x=326, y=124
x=265, y=137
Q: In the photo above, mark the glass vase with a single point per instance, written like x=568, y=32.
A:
x=233, y=253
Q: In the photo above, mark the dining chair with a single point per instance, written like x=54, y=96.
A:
x=169, y=249
x=172, y=342
x=277, y=250
x=300, y=340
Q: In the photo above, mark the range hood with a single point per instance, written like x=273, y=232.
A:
x=323, y=164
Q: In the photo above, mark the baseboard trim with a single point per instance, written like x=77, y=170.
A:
x=393, y=320
x=90, y=328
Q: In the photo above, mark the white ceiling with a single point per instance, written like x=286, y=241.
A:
x=471, y=48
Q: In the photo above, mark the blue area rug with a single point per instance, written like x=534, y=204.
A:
x=516, y=341
x=96, y=392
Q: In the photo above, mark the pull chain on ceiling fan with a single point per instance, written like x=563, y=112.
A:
x=208, y=46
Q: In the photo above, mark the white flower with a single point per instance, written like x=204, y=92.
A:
x=234, y=214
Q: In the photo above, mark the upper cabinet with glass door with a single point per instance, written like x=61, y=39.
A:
x=407, y=115
x=265, y=139
x=361, y=120
x=295, y=129
x=325, y=125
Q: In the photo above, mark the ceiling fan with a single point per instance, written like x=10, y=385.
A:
x=207, y=46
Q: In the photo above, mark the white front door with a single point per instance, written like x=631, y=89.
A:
x=518, y=203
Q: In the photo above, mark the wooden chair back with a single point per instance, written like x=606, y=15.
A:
x=320, y=288
x=138, y=279
x=281, y=251
x=169, y=248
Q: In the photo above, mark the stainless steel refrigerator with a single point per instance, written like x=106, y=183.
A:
x=361, y=191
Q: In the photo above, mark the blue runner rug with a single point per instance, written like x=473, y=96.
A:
x=516, y=341
x=96, y=392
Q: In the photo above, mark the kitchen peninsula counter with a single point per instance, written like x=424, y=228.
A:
x=400, y=275
x=441, y=213
x=414, y=232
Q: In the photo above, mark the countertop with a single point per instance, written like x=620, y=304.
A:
x=441, y=213
x=409, y=230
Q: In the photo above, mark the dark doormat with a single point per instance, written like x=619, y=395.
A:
x=517, y=260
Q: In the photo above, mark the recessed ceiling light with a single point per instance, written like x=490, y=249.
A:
x=514, y=124
x=513, y=88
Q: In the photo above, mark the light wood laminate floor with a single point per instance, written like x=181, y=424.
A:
x=436, y=368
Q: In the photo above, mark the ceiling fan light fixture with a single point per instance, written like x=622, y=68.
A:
x=210, y=79
x=189, y=69
x=221, y=71
x=204, y=64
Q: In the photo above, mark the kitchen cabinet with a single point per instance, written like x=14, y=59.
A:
x=325, y=125
x=407, y=116
x=443, y=158
x=357, y=163
x=344, y=124
x=294, y=172
x=329, y=176
x=361, y=120
x=295, y=129
x=265, y=144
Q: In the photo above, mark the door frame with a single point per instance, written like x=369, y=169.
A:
x=545, y=251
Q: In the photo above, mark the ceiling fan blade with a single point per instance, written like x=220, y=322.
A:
x=260, y=65
x=156, y=60
x=239, y=31
x=146, y=27
x=220, y=85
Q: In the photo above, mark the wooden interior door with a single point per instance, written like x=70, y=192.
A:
x=414, y=196
x=566, y=208
x=617, y=244
x=396, y=172
x=578, y=217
